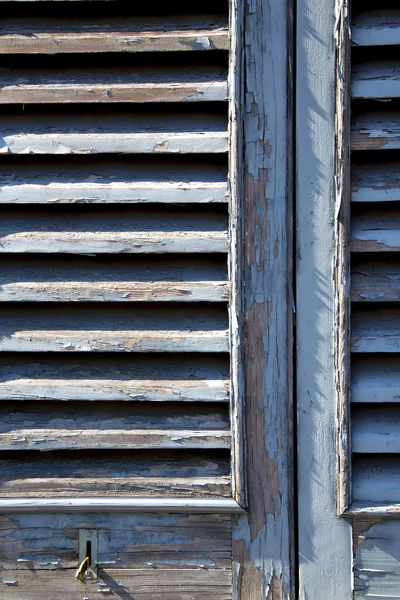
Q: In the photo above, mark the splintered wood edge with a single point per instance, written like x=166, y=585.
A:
x=384, y=511
x=139, y=505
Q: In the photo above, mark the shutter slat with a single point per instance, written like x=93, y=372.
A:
x=57, y=36
x=376, y=430
x=377, y=28
x=376, y=330
x=376, y=231
x=376, y=79
x=376, y=182
x=376, y=131
x=375, y=281
x=106, y=378
x=376, y=479
x=375, y=379
x=95, y=473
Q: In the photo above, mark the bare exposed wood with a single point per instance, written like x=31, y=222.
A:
x=78, y=35
x=170, y=84
x=376, y=230
x=103, y=379
x=375, y=379
x=375, y=131
x=376, y=182
x=342, y=259
x=263, y=538
x=376, y=430
x=379, y=27
x=121, y=473
x=376, y=479
x=367, y=510
x=376, y=79
x=375, y=281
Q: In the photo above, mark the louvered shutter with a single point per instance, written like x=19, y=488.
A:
x=115, y=354
x=375, y=278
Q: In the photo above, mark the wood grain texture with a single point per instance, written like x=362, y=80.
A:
x=324, y=538
x=380, y=27
x=108, y=378
x=80, y=35
x=375, y=182
x=375, y=329
x=377, y=561
x=263, y=539
x=178, y=556
x=104, y=473
x=376, y=479
x=376, y=230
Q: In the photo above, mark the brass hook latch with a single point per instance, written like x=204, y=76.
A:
x=87, y=569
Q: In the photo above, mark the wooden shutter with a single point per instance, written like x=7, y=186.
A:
x=115, y=352
x=375, y=278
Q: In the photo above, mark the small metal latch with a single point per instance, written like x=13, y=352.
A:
x=87, y=569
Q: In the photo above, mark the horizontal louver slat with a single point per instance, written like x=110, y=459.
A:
x=376, y=79
x=376, y=430
x=377, y=28
x=376, y=182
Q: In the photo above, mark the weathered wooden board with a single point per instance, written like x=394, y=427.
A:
x=109, y=473
x=88, y=279
x=375, y=182
x=375, y=329
x=104, y=378
x=380, y=27
x=122, y=329
x=173, y=556
x=376, y=430
x=376, y=230
x=375, y=281
x=376, y=479
x=38, y=426
x=375, y=379
x=137, y=84
x=141, y=133
x=376, y=79
x=113, y=232
x=376, y=130
x=82, y=35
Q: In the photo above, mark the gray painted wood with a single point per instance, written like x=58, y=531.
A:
x=376, y=131
x=380, y=27
x=80, y=35
x=263, y=538
x=375, y=379
x=376, y=230
x=377, y=561
x=104, y=378
x=375, y=280
x=97, y=473
x=376, y=479
x=376, y=79
x=201, y=329
x=376, y=430
x=375, y=329
x=324, y=538
x=123, y=134
x=376, y=182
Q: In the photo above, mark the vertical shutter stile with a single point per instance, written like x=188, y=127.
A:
x=375, y=289
x=114, y=343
